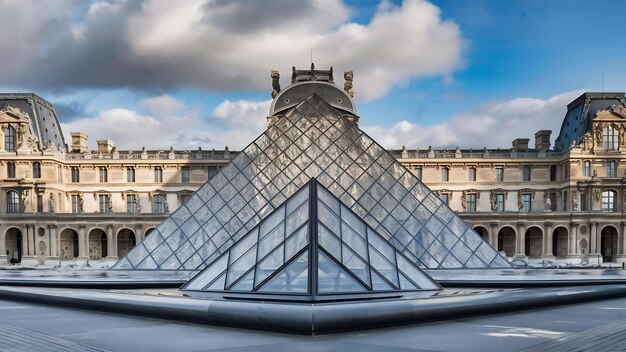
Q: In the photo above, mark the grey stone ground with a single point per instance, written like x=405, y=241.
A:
x=577, y=326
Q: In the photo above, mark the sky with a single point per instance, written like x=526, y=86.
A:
x=196, y=73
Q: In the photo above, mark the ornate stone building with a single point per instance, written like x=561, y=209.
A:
x=65, y=202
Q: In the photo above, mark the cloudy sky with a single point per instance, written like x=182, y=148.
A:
x=161, y=73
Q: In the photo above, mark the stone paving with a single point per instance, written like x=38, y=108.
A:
x=17, y=339
x=605, y=338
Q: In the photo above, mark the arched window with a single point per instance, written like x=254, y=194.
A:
x=608, y=200
x=553, y=173
x=610, y=138
x=9, y=139
x=10, y=169
x=13, y=202
x=36, y=169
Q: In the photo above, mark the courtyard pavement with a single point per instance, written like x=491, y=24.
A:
x=595, y=326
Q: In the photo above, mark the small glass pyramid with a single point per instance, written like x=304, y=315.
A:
x=311, y=245
x=313, y=140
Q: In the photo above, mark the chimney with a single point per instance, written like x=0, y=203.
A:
x=542, y=139
x=105, y=146
x=79, y=142
x=520, y=144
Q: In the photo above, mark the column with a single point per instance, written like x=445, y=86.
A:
x=571, y=243
x=621, y=250
x=520, y=241
x=547, y=241
x=111, y=244
x=54, y=242
x=138, y=233
x=592, y=239
x=493, y=235
x=82, y=253
x=3, y=249
x=598, y=240
x=25, y=241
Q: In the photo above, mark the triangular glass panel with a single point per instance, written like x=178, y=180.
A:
x=334, y=279
x=291, y=279
x=313, y=138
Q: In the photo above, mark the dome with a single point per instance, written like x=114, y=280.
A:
x=298, y=92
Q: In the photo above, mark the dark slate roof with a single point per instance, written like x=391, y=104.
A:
x=43, y=117
x=580, y=114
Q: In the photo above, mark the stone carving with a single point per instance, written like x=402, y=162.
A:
x=51, y=203
x=597, y=132
x=275, y=83
x=548, y=204
x=463, y=200
x=347, y=86
x=575, y=204
x=596, y=195
x=618, y=110
x=520, y=202
x=494, y=202
x=166, y=207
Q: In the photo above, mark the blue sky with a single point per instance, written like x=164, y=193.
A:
x=476, y=67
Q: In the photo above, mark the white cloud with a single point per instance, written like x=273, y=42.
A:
x=229, y=45
x=169, y=123
x=491, y=125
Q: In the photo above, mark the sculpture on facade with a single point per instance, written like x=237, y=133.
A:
x=575, y=204
x=493, y=201
x=51, y=203
x=347, y=86
x=520, y=202
x=548, y=204
x=275, y=83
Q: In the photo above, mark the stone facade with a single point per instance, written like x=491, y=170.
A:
x=69, y=203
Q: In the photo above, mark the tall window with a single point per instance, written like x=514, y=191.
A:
x=9, y=139
x=445, y=174
x=610, y=138
x=75, y=174
x=553, y=201
x=212, y=171
x=131, y=203
x=105, y=203
x=565, y=200
x=76, y=204
x=608, y=201
x=565, y=171
x=500, y=202
x=499, y=174
x=418, y=172
x=553, y=173
x=528, y=202
x=587, y=168
x=444, y=197
x=10, y=169
x=40, y=202
x=130, y=174
x=583, y=202
x=159, y=203
x=526, y=173
x=471, y=174
x=13, y=202
x=471, y=202
x=184, y=173
x=611, y=168
x=36, y=169
x=158, y=174
x=104, y=176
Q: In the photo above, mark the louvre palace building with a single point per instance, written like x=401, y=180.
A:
x=533, y=200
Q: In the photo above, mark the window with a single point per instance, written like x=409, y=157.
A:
x=10, y=169
x=608, y=201
x=76, y=208
x=553, y=201
x=499, y=174
x=610, y=138
x=184, y=198
x=611, y=168
x=527, y=202
x=158, y=174
x=184, y=173
x=9, y=139
x=40, y=203
x=553, y=173
x=105, y=203
x=418, y=172
x=583, y=202
x=444, y=198
x=13, y=202
x=565, y=171
x=587, y=168
x=500, y=202
x=526, y=173
x=130, y=174
x=104, y=177
x=75, y=174
x=36, y=169
x=159, y=203
x=471, y=174
x=565, y=201
x=471, y=202
x=445, y=174
x=131, y=203
x=212, y=171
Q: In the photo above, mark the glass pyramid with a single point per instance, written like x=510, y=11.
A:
x=311, y=245
x=313, y=140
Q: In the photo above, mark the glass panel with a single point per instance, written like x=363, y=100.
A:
x=161, y=253
x=242, y=246
x=381, y=245
x=245, y=284
x=218, y=285
x=328, y=218
x=270, y=264
x=378, y=284
x=332, y=279
x=271, y=240
x=243, y=264
x=296, y=242
x=406, y=284
x=297, y=218
x=357, y=224
x=293, y=278
x=356, y=265
x=328, y=200
x=272, y=221
x=353, y=240
x=474, y=262
x=147, y=264
x=297, y=199
x=329, y=242
x=172, y=263
x=383, y=266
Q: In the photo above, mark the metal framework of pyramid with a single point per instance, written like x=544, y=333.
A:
x=313, y=140
x=312, y=246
